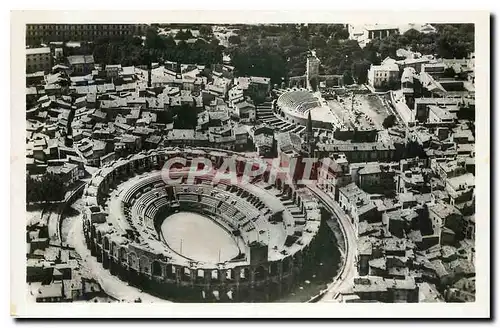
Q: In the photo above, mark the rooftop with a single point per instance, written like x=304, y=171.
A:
x=443, y=210
x=464, y=180
x=370, y=169
x=53, y=290
x=441, y=113
x=377, y=27
x=81, y=59
x=37, y=51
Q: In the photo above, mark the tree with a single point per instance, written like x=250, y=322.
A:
x=184, y=35
x=347, y=78
x=153, y=40
x=259, y=60
x=318, y=42
x=359, y=71
x=413, y=34
x=389, y=121
x=234, y=39
x=314, y=83
x=49, y=187
x=205, y=30
x=185, y=117
x=449, y=72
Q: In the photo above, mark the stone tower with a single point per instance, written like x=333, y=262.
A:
x=310, y=143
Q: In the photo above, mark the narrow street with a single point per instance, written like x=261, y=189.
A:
x=112, y=285
x=348, y=272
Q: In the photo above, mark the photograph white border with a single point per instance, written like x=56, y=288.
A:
x=20, y=307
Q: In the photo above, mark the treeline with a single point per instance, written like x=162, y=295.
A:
x=259, y=60
x=157, y=48
x=263, y=45
x=280, y=51
x=50, y=187
x=449, y=41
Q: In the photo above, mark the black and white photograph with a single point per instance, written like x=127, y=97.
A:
x=173, y=163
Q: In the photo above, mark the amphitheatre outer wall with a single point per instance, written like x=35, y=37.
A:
x=262, y=274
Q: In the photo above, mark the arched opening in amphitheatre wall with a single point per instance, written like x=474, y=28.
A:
x=230, y=274
x=123, y=254
x=274, y=289
x=200, y=275
x=214, y=276
x=287, y=265
x=106, y=243
x=216, y=295
x=186, y=274
x=230, y=294
x=260, y=273
x=274, y=268
x=244, y=274
x=170, y=271
x=297, y=258
x=144, y=265
x=92, y=230
x=117, y=251
x=156, y=269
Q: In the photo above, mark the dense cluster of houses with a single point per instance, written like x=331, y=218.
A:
x=52, y=272
x=80, y=113
x=415, y=217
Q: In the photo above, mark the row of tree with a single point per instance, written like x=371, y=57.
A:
x=264, y=45
x=449, y=41
x=157, y=48
x=280, y=51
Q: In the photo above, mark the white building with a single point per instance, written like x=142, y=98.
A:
x=38, y=59
x=365, y=33
x=381, y=76
x=112, y=71
x=245, y=111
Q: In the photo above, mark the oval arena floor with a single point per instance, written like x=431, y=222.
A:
x=198, y=237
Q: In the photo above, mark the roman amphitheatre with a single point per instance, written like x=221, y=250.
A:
x=202, y=240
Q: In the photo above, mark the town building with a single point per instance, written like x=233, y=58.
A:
x=383, y=77
x=447, y=222
x=44, y=33
x=81, y=64
x=333, y=173
x=38, y=59
x=358, y=205
x=365, y=33
x=374, y=288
